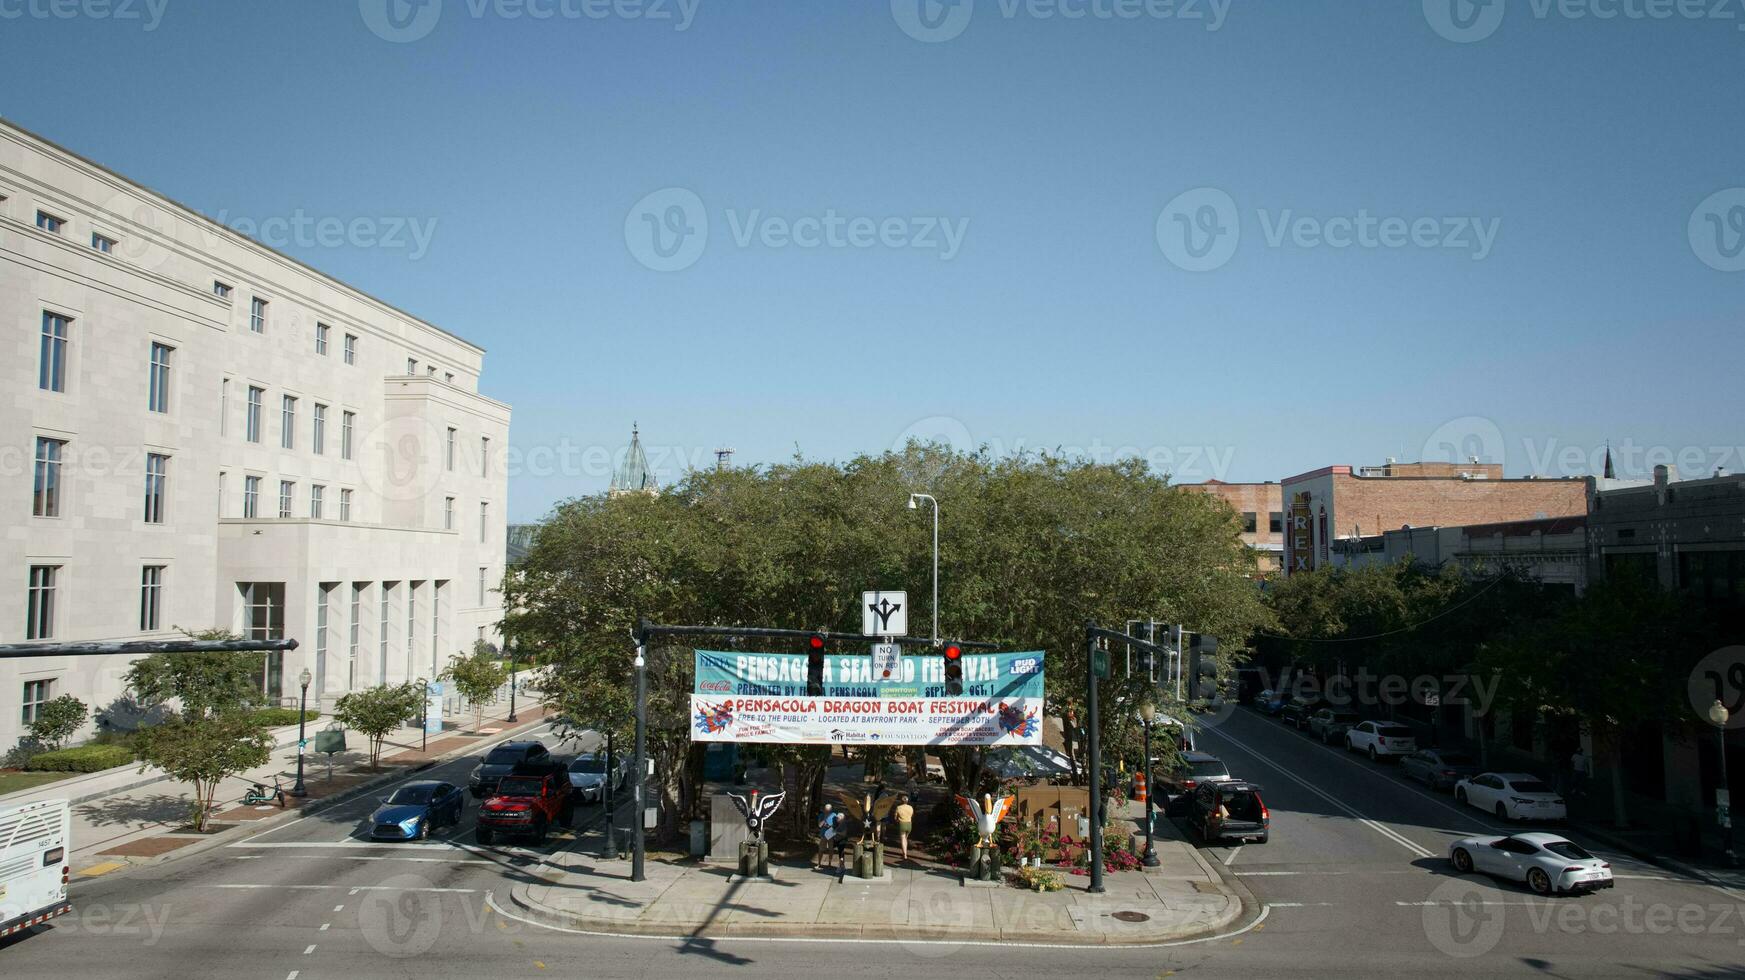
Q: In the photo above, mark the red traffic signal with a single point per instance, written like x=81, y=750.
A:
x=815, y=641
x=953, y=651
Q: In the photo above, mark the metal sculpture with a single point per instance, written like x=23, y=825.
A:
x=754, y=853
x=987, y=814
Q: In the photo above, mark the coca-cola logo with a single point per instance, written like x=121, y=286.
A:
x=715, y=686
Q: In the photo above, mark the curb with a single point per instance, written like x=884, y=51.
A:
x=1661, y=861
x=256, y=827
x=1246, y=913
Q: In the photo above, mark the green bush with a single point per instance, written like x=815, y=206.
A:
x=83, y=758
x=279, y=717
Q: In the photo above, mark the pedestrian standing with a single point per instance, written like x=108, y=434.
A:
x=905, y=814
x=1579, y=766
x=829, y=829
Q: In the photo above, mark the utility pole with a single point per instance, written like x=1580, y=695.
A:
x=608, y=852
x=1094, y=735
x=640, y=807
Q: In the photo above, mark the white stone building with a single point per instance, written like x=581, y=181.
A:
x=199, y=431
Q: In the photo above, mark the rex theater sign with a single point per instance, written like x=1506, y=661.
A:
x=1300, y=539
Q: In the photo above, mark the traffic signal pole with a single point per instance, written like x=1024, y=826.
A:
x=1094, y=735
x=641, y=807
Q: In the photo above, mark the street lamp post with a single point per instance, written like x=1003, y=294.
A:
x=302, y=713
x=914, y=505
x=638, y=835
x=1718, y=716
x=1148, y=712
x=511, y=645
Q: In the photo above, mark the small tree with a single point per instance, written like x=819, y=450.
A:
x=477, y=678
x=376, y=711
x=57, y=720
x=204, y=752
x=206, y=683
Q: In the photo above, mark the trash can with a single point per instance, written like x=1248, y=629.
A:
x=699, y=838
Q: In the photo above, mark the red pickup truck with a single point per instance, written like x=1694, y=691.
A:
x=528, y=802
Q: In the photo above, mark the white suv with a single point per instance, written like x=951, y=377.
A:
x=1380, y=738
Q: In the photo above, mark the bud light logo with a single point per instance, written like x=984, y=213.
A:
x=1027, y=665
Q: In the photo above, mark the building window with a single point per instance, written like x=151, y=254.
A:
x=221, y=475
x=484, y=522
x=448, y=513
x=345, y=505
x=158, y=400
x=287, y=490
x=157, y=474
x=387, y=603
x=36, y=694
x=252, y=424
x=251, y=496
x=264, y=613
x=484, y=455
x=151, y=592
x=317, y=493
x=350, y=349
x=345, y=421
x=323, y=593
x=46, y=493
x=448, y=452
x=220, y=289
x=1249, y=522
x=102, y=243
x=448, y=377
x=411, y=365
x=321, y=339
x=482, y=572
x=287, y=422
x=318, y=437
x=51, y=374
x=1275, y=521
x=48, y=222
x=357, y=600
x=430, y=371
x=257, y=315
x=40, y=614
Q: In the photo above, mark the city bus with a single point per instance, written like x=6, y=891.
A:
x=34, y=864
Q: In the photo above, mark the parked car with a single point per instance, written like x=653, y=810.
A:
x=1269, y=701
x=588, y=776
x=500, y=762
x=1330, y=724
x=1193, y=769
x=1296, y=711
x=1380, y=739
x=1546, y=862
x=415, y=809
x=1229, y=809
x=1438, y=769
x=528, y=802
x=1511, y=796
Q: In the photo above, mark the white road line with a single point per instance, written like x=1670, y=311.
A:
x=1463, y=904
x=1232, y=855
x=309, y=949
x=325, y=926
x=339, y=908
x=1319, y=874
x=1387, y=832
x=1300, y=905
x=353, y=889
x=292, y=975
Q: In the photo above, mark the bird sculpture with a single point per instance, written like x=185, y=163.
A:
x=870, y=808
x=987, y=813
x=757, y=810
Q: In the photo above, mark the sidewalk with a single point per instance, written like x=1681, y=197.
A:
x=1185, y=898
x=123, y=817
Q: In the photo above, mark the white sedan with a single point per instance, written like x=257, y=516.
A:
x=1546, y=862
x=1511, y=796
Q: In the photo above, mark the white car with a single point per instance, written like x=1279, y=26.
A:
x=1546, y=862
x=1511, y=796
x=1380, y=739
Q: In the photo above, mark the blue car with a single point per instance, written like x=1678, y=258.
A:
x=417, y=808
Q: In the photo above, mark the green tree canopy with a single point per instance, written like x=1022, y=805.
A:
x=206, y=683
x=477, y=676
x=204, y=751
x=377, y=711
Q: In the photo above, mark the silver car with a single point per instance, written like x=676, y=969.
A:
x=1546, y=862
x=588, y=775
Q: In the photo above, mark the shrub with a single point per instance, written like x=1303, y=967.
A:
x=280, y=717
x=57, y=720
x=83, y=758
x=1040, y=879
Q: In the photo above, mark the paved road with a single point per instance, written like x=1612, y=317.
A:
x=1354, y=858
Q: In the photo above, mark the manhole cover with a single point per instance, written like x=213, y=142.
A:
x=1132, y=916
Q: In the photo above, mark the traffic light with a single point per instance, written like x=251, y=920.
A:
x=953, y=670
x=815, y=665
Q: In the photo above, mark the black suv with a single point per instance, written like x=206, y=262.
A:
x=1297, y=710
x=500, y=762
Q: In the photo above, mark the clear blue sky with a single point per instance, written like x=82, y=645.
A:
x=1059, y=320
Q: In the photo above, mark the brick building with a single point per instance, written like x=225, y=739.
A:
x=1339, y=502
x=1552, y=550
x=1262, y=517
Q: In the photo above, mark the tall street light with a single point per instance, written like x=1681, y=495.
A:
x=1147, y=713
x=511, y=644
x=302, y=712
x=914, y=504
x=1718, y=717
